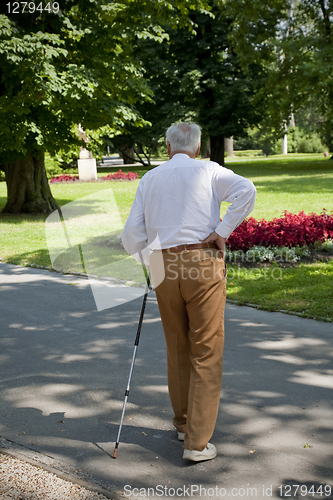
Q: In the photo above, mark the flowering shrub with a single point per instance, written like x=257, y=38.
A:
x=64, y=178
x=121, y=176
x=117, y=176
x=290, y=230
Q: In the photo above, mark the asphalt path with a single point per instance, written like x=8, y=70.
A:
x=64, y=367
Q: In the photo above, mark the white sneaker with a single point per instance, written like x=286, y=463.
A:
x=197, y=456
x=181, y=436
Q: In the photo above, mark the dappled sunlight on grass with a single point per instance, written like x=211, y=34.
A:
x=304, y=288
x=292, y=185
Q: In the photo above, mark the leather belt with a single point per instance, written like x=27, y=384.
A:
x=191, y=246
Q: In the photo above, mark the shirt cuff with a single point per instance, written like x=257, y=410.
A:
x=143, y=256
x=223, y=230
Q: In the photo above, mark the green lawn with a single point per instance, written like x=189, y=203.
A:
x=293, y=183
x=304, y=288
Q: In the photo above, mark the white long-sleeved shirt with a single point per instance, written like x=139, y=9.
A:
x=179, y=202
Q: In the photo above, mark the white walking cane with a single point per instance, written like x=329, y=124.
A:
x=136, y=343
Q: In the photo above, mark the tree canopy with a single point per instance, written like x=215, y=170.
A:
x=68, y=67
x=296, y=38
x=72, y=67
x=119, y=66
x=196, y=74
x=211, y=79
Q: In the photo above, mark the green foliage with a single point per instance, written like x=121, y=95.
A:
x=310, y=144
x=51, y=167
x=195, y=75
x=248, y=142
x=254, y=28
x=267, y=254
x=300, y=141
x=296, y=43
x=262, y=139
x=67, y=159
x=50, y=80
x=269, y=144
x=209, y=77
x=327, y=246
x=60, y=162
x=73, y=67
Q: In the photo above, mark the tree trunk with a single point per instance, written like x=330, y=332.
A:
x=28, y=190
x=229, y=145
x=217, y=149
x=206, y=150
x=128, y=155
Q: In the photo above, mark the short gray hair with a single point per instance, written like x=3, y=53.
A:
x=184, y=136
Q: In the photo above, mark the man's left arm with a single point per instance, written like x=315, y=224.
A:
x=240, y=192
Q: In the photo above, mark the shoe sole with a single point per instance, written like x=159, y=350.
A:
x=198, y=458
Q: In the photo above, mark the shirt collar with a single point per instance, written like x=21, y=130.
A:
x=181, y=155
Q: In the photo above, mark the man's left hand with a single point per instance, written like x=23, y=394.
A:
x=219, y=242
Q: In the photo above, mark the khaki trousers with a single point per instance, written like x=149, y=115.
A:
x=191, y=300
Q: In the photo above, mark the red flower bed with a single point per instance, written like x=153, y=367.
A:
x=64, y=178
x=290, y=230
x=117, y=176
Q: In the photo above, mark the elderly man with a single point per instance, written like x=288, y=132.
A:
x=176, y=216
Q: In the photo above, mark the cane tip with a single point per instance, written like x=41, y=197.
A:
x=115, y=453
